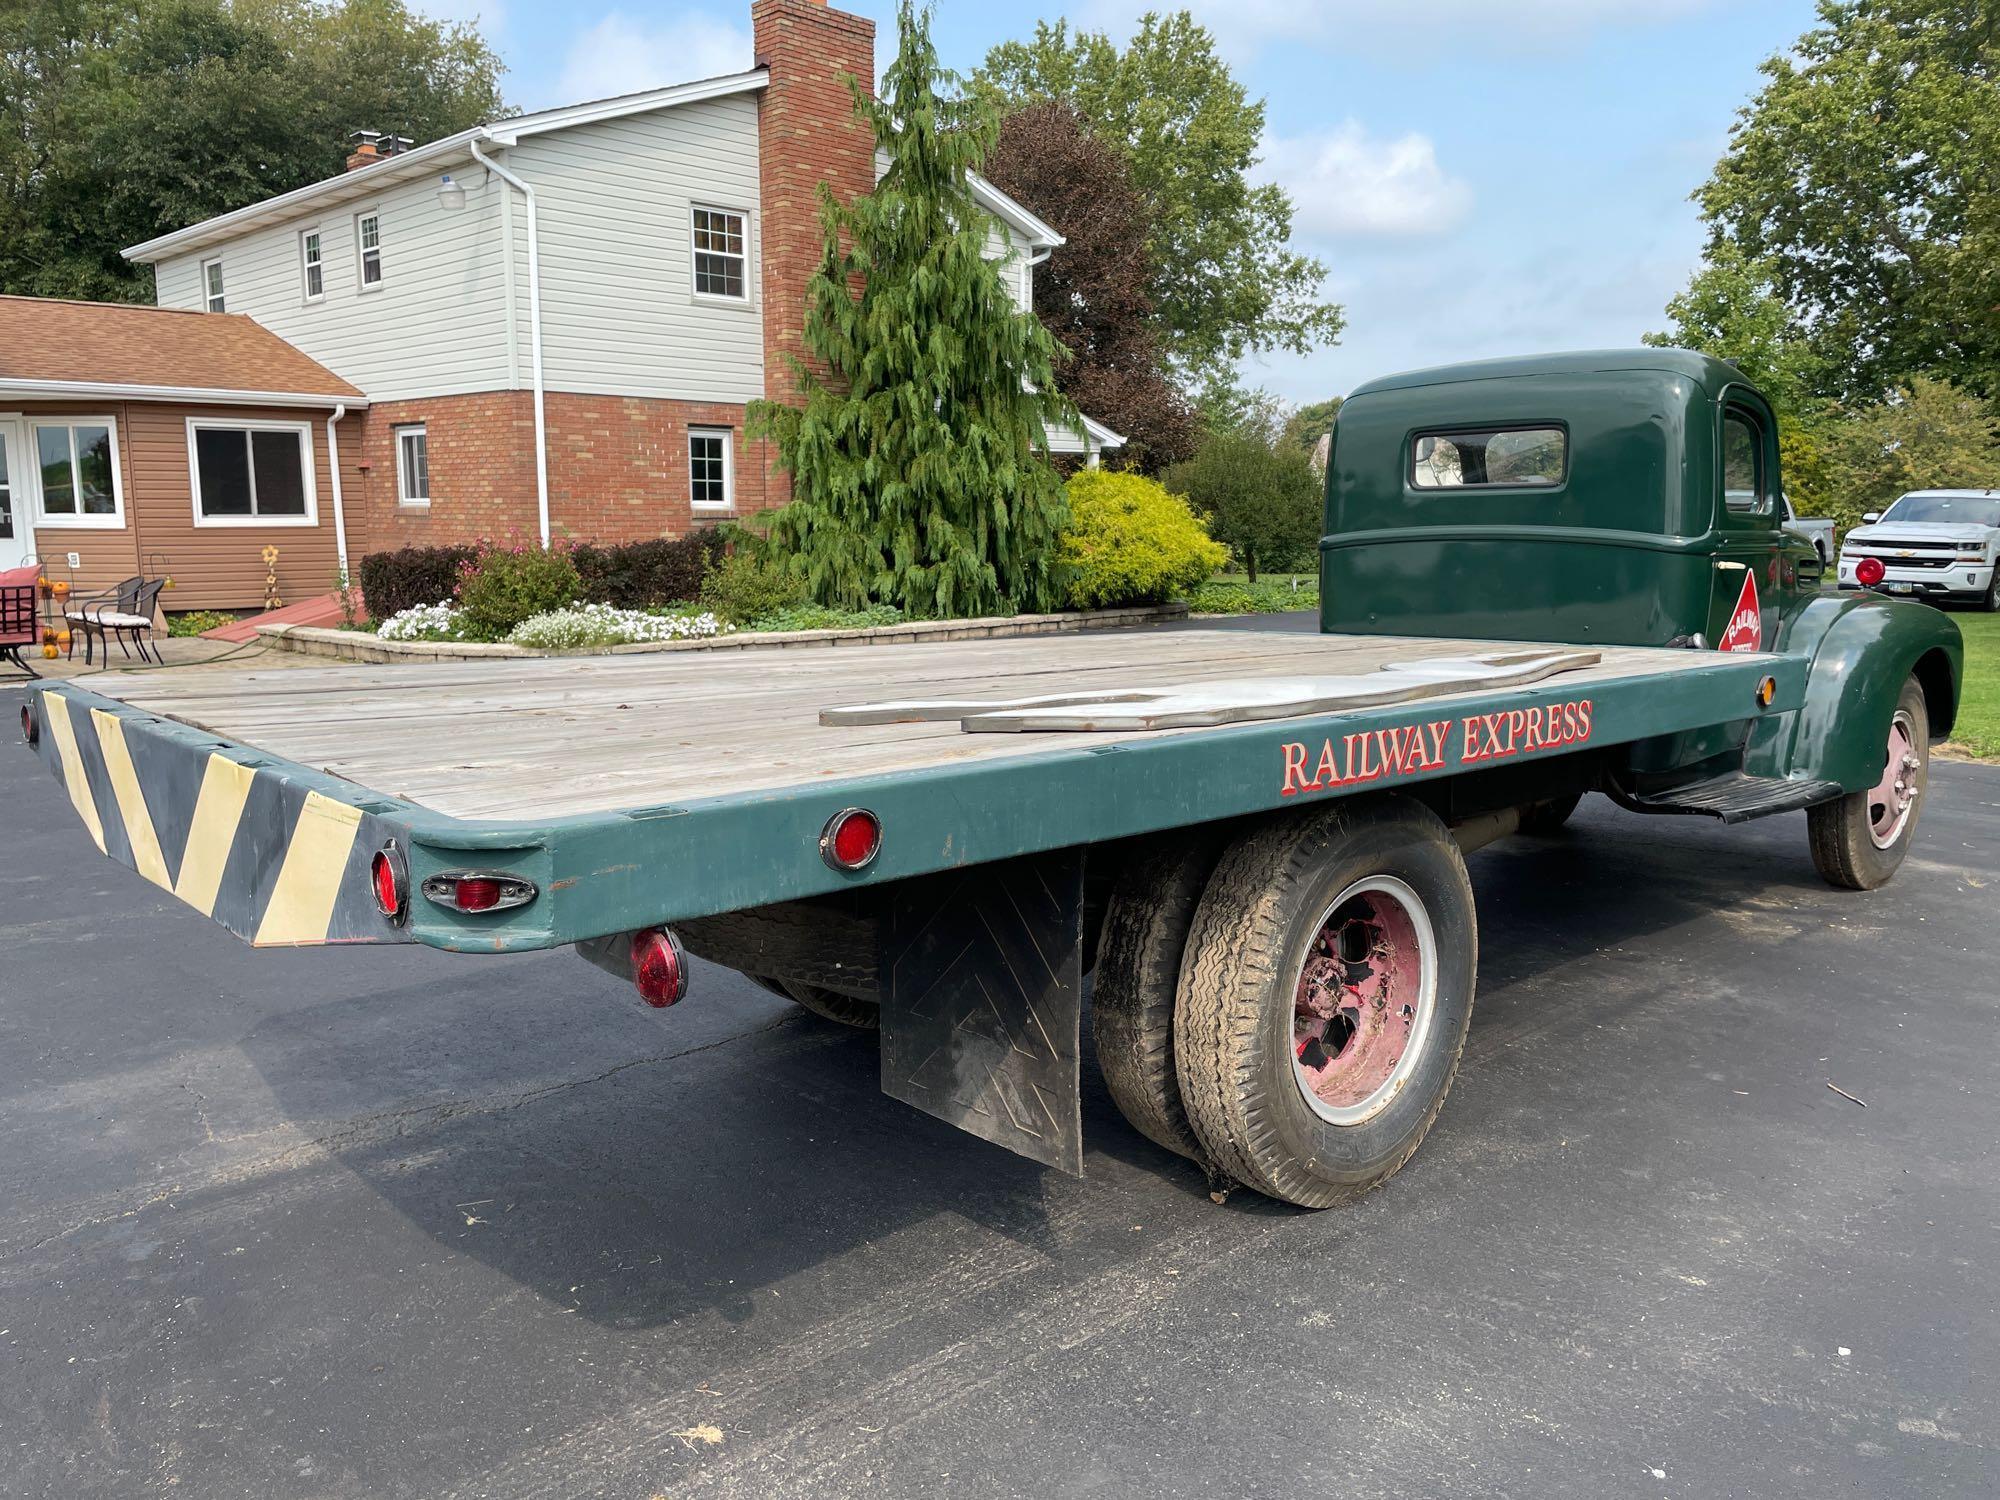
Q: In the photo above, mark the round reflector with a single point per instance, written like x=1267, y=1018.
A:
x=1767, y=691
x=391, y=881
x=851, y=840
x=657, y=969
x=1868, y=572
x=30, y=730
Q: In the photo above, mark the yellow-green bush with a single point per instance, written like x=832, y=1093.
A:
x=1130, y=542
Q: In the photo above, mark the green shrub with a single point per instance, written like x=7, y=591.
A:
x=195, y=621
x=1220, y=598
x=747, y=586
x=392, y=582
x=500, y=587
x=643, y=575
x=1130, y=542
x=819, y=617
x=1263, y=503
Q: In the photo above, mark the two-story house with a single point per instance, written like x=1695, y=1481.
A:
x=554, y=322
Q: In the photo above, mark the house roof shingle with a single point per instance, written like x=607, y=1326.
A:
x=152, y=353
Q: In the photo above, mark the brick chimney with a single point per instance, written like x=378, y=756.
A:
x=366, y=150
x=807, y=134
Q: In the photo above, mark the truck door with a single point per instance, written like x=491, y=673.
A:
x=1756, y=572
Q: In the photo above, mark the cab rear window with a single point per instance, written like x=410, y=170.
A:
x=1489, y=458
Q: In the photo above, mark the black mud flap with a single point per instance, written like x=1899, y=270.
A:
x=982, y=999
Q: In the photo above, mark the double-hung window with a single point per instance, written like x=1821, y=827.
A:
x=368, y=246
x=312, y=265
x=78, y=460
x=721, y=254
x=211, y=285
x=413, y=466
x=251, y=473
x=711, y=470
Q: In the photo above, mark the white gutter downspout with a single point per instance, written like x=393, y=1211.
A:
x=534, y=335
x=333, y=468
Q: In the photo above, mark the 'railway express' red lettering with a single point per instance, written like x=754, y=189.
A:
x=1412, y=749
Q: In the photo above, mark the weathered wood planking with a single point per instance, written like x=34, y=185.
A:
x=554, y=737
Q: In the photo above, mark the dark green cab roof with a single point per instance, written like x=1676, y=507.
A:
x=1711, y=374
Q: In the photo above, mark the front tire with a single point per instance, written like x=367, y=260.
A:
x=1859, y=841
x=1324, y=999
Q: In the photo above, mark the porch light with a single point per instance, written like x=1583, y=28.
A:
x=451, y=195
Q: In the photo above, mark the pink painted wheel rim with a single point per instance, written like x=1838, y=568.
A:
x=1893, y=800
x=1363, y=1005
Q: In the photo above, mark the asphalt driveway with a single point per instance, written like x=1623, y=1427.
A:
x=397, y=1223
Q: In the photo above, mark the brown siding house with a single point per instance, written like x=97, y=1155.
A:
x=139, y=440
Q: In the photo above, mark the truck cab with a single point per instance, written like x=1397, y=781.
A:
x=1629, y=497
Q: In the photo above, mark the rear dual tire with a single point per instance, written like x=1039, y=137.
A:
x=1292, y=1018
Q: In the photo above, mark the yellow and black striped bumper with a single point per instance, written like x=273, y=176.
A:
x=254, y=844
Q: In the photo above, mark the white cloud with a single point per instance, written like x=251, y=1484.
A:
x=1347, y=184
x=1410, y=27
x=623, y=54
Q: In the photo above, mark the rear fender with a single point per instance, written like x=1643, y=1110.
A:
x=1861, y=648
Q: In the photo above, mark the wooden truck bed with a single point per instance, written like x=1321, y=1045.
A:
x=551, y=738
x=639, y=789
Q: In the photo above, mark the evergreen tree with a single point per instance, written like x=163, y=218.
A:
x=917, y=446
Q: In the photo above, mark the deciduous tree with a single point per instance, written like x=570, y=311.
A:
x=1091, y=293
x=1221, y=270
x=1864, y=180
x=1261, y=502
x=121, y=121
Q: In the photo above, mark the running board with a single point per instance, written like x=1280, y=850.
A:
x=1735, y=797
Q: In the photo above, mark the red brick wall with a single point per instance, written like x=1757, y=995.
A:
x=807, y=134
x=618, y=468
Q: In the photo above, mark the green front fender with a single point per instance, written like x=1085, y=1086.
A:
x=1862, y=648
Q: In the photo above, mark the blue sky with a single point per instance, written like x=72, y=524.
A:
x=1481, y=177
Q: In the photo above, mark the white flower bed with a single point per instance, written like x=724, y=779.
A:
x=422, y=622
x=586, y=625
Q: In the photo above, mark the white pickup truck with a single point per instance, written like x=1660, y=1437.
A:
x=1930, y=544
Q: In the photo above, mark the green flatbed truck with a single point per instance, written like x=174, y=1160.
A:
x=1542, y=578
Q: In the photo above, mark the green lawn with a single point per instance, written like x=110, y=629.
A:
x=1978, y=731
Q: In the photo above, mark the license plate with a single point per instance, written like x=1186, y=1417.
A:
x=1900, y=588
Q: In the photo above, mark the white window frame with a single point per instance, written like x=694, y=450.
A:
x=215, y=298
x=728, y=502
x=719, y=299
x=307, y=466
x=361, y=253
x=308, y=266
x=403, y=495
x=33, y=463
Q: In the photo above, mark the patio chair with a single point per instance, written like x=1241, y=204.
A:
x=123, y=611
x=19, y=626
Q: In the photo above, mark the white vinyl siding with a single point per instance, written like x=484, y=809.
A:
x=436, y=325
x=616, y=201
x=251, y=473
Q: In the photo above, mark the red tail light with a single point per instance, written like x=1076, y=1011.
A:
x=391, y=877
x=659, y=971
x=30, y=730
x=478, y=890
x=851, y=840
x=1869, y=572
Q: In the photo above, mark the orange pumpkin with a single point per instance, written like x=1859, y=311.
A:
x=62, y=639
x=49, y=638
x=59, y=587
x=49, y=652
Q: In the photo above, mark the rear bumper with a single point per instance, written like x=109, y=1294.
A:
x=274, y=853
